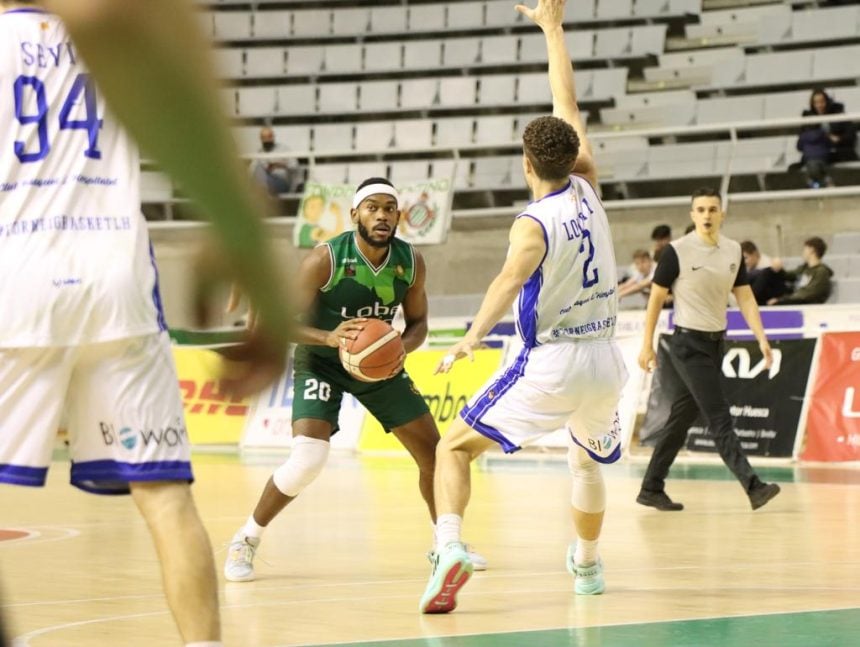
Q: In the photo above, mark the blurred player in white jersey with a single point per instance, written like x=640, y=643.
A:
x=560, y=277
x=84, y=327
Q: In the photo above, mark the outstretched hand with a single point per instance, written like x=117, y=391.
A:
x=547, y=13
x=457, y=351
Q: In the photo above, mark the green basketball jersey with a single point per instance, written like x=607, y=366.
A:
x=357, y=289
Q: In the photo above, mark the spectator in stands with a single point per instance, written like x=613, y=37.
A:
x=824, y=144
x=661, y=236
x=766, y=283
x=277, y=176
x=640, y=280
x=813, y=278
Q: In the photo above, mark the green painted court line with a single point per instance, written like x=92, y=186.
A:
x=840, y=628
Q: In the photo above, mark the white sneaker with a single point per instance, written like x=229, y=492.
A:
x=239, y=566
x=479, y=562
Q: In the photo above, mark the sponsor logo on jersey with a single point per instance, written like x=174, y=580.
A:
x=376, y=311
x=130, y=438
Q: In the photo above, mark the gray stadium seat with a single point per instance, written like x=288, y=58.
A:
x=305, y=60
x=492, y=172
x=501, y=13
x=533, y=89
x=348, y=22
x=229, y=63
x=497, y=90
x=342, y=58
x=847, y=242
x=460, y=170
x=407, y=172
x=272, y=24
x=724, y=109
x=785, y=105
x=455, y=131
x=662, y=115
x=258, y=101
x=328, y=173
x=648, y=39
x=846, y=291
x=683, y=160
x=261, y=62
x=232, y=25
x=229, y=100
x=155, y=187
x=312, y=22
x=836, y=63
x=388, y=20
x=825, y=24
x=457, y=91
x=358, y=172
x=422, y=54
x=613, y=9
x=613, y=42
x=333, y=137
x=604, y=84
x=378, y=96
x=499, y=49
x=778, y=67
x=373, y=135
x=294, y=138
x=380, y=57
x=580, y=44
x=297, y=99
x=461, y=52
x=495, y=129
x=418, y=93
x=338, y=97
x=413, y=133
x=430, y=17
x=578, y=12
x=465, y=15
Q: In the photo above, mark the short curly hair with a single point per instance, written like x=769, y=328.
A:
x=551, y=145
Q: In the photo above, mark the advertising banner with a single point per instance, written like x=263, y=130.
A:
x=446, y=393
x=211, y=416
x=425, y=212
x=833, y=423
x=765, y=404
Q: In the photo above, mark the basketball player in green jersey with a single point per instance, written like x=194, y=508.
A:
x=355, y=276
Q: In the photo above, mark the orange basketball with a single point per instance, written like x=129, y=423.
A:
x=374, y=354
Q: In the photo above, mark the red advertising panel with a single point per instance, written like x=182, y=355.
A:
x=833, y=426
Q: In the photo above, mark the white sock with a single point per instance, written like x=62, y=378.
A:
x=586, y=552
x=252, y=529
x=211, y=643
x=447, y=529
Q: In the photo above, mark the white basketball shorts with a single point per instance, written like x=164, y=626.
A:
x=574, y=384
x=122, y=406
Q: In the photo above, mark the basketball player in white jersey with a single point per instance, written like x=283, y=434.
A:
x=83, y=324
x=560, y=277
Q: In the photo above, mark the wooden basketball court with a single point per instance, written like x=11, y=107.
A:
x=346, y=564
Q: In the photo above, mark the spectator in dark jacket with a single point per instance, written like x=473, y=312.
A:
x=824, y=144
x=766, y=283
x=813, y=278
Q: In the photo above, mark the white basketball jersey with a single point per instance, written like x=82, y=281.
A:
x=75, y=258
x=572, y=295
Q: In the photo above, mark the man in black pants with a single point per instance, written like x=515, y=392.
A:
x=701, y=268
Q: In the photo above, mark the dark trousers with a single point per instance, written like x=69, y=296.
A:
x=693, y=381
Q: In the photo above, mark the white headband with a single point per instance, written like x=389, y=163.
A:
x=372, y=189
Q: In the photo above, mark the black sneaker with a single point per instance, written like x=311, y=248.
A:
x=659, y=500
x=762, y=493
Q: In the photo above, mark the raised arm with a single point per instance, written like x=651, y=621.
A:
x=549, y=16
x=154, y=67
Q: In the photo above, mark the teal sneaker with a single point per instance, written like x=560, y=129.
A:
x=589, y=579
x=451, y=570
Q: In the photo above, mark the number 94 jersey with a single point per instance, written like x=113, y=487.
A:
x=75, y=260
x=572, y=295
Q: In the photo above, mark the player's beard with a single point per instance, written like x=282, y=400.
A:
x=365, y=235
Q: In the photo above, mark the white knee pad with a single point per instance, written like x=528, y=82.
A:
x=589, y=491
x=307, y=458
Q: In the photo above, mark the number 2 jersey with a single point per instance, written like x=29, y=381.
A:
x=76, y=265
x=572, y=295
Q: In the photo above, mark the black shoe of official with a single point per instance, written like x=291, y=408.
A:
x=762, y=493
x=659, y=500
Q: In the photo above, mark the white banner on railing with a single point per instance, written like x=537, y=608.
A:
x=425, y=212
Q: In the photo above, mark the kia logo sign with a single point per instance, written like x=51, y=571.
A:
x=740, y=358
